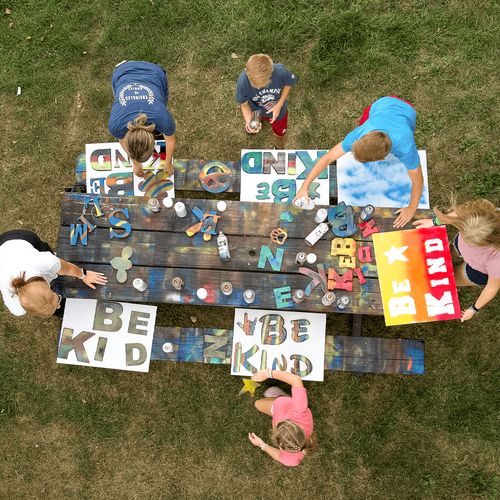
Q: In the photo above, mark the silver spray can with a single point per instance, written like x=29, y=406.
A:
x=177, y=283
x=223, y=247
x=321, y=215
x=298, y=296
x=367, y=213
x=305, y=203
x=328, y=299
x=154, y=205
x=300, y=258
x=248, y=296
x=343, y=301
x=319, y=231
x=226, y=288
x=255, y=121
x=140, y=284
x=180, y=209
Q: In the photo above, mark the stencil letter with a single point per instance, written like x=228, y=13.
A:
x=101, y=347
x=299, y=326
x=401, y=305
x=140, y=354
x=266, y=255
x=401, y=286
x=283, y=297
x=240, y=359
x=136, y=318
x=344, y=246
x=297, y=359
x=107, y=316
x=365, y=254
x=69, y=343
x=117, y=222
x=251, y=163
x=216, y=343
x=273, y=331
x=434, y=245
x=436, y=265
x=436, y=307
x=277, y=164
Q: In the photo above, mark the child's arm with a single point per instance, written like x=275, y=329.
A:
x=277, y=107
x=417, y=184
x=257, y=441
x=332, y=155
x=170, y=141
x=287, y=377
x=246, y=111
x=489, y=293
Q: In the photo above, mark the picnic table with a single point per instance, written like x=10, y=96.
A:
x=162, y=251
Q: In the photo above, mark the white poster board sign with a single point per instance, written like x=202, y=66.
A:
x=109, y=171
x=281, y=340
x=382, y=183
x=274, y=176
x=107, y=334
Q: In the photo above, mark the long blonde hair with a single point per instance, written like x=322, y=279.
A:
x=289, y=436
x=139, y=138
x=35, y=295
x=478, y=222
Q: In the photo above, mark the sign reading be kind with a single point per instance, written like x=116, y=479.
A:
x=416, y=277
x=107, y=334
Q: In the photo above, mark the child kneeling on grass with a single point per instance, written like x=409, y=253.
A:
x=264, y=86
x=291, y=419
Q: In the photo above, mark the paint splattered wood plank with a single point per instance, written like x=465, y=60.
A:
x=241, y=218
x=356, y=354
x=187, y=174
x=365, y=299
x=170, y=249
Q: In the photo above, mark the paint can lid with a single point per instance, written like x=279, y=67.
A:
x=311, y=258
x=202, y=293
x=168, y=202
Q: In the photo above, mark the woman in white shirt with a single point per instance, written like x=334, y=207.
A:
x=27, y=267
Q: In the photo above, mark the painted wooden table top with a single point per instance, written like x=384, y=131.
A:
x=162, y=251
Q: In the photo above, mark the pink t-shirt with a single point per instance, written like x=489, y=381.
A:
x=483, y=259
x=296, y=410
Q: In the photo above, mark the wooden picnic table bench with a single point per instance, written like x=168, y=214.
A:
x=162, y=251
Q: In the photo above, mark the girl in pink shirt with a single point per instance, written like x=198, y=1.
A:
x=478, y=243
x=291, y=419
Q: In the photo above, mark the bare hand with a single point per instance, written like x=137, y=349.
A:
x=137, y=169
x=301, y=193
x=251, y=130
x=276, y=112
x=260, y=376
x=423, y=223
x=405, y=216
x=254, y=439
x=169, y=170
x=93, y=277
x=467, y=314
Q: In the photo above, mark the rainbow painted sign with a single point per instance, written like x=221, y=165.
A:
x=416, y=276
x=109, y=171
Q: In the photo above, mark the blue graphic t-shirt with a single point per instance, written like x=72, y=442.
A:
x=266, y=97
x=140, y=87
x=398, y=120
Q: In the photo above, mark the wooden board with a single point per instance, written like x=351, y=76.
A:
x=187, y=175
x=354, y=354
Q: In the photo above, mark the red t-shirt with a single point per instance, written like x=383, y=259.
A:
x=296, y=410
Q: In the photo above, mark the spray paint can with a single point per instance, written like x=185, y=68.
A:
x=168, y=202
x=140, y=284
x=248, y=296
x=154, y=205
x=321, y=215
x=328, y=299
x=223, y=247
x=319, y=231
x=167, y=347
x=177, y=283
x=300, y=258
x=226, y=288
x=305, y=203
x=298, y=296
x=180, y=209
x=255, y=121
x=221, y=206
x=367, y=213
x=343, y=301
x=311, y=258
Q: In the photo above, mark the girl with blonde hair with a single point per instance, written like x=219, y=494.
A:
x=477, y=243
x=292, y=420
x=27, y=267
x=139, y=111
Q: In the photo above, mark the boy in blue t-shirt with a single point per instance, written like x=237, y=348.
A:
x=387, y=126
x=265, y=86
x=139, y=111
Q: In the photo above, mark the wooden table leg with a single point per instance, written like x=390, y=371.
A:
x=356, y=324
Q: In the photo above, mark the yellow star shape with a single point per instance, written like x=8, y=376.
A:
x=249, y=386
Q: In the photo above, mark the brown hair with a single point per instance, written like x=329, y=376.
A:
x=478, y=221
x=373, y=146
x=289, y=436
x=259, y=69
x=35, y=295
x=139, y=139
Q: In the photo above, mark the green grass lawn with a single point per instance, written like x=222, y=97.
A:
x=180, y=431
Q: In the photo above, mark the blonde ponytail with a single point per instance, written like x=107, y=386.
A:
x=139, y=139
x=35, y=295
x=289, y=436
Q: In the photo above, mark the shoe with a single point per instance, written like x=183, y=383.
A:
x=274, y=392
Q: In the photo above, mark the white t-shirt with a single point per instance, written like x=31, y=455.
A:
x=18, y=256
